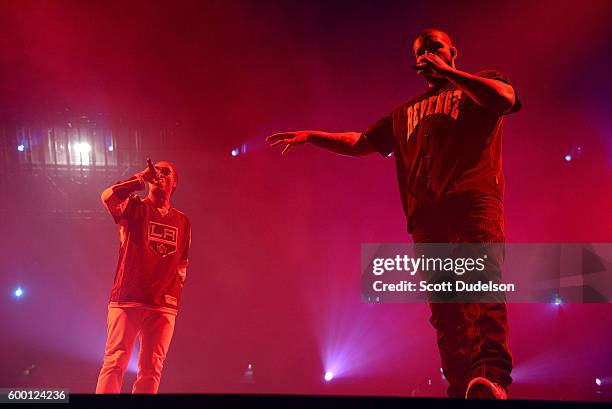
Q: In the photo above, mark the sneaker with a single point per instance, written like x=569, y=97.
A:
x=482, y=388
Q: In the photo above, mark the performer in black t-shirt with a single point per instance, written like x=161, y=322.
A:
x=151, y=270
x=447, y=148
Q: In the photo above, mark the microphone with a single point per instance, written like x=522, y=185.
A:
x=151, y=167
x=153, y=171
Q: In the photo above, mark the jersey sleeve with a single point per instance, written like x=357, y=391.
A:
x=496, y=75
x=380, y=136
x=124, y=211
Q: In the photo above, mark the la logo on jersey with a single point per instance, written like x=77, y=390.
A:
x=162, y=238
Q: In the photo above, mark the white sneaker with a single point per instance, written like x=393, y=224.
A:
x=482, y=388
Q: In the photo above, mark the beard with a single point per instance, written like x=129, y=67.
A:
x=160, y=190
x=435, y=81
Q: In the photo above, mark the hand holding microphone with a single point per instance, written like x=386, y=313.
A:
x=150, y=174
x=419, y=67
x=151, y=167
x=433, y=65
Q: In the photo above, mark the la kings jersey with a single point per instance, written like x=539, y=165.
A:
x=153, y=256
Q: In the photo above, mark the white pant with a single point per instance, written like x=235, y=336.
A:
x=124, y=325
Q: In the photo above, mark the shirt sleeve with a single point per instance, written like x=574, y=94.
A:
x=124, y=211
x=380, y=136
x=496, y=75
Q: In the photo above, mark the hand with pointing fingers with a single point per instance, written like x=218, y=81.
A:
x=291, y=139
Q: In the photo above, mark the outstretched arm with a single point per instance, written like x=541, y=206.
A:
x=343, y=143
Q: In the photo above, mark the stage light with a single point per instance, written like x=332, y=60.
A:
x=21, y=148
x=568, y=157
x=557, y=300
x=242, y=149
x=18, y=292
x=82, y=147
x=328, y=376
x=110, y=148
x=247, y=376
x=27, y=371
x=598, y=382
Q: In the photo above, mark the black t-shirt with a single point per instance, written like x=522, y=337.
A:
x=444, y=144
x=153, y=256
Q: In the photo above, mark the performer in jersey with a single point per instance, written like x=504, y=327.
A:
x=144, y=301
x=446, y=143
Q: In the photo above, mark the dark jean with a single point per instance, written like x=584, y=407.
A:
x=472, y=337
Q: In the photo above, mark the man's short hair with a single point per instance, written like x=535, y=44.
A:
x=432, y=30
